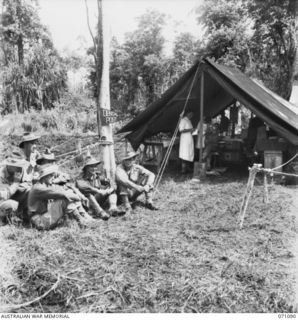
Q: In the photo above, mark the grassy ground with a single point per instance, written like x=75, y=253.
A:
x=189, y=256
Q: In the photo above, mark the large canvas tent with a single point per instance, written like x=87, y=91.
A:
x=219, y=87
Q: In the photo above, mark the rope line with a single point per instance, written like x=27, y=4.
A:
x=169, y=149
x=61, y=144
x=83, y=150
x=282, y=165
x=166, y=157
x=73, y=137
x=278, y=173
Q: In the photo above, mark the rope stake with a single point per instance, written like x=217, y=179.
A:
x=248, y=192
x=252, y=174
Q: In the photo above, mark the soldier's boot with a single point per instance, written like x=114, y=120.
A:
x=183, y=167
x=126, y=203
x=85, y=214
x=114, y=211
x=97, y=209
x=149, y=201
x=82, y=222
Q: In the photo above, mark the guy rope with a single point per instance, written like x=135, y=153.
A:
x=169, y=149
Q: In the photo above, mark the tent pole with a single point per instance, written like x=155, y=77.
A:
x=201, y=119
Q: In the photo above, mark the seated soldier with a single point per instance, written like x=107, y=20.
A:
x=133, y=180
x=48, y=204
x=20, y=172
x=63, y=180
x=93, y=187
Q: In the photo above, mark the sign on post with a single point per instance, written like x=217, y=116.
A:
x=107, y=117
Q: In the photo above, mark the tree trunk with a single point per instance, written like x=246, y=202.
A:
x=104, y=95
x=293, y=12
x=20, y=50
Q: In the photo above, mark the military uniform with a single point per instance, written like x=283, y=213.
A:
x=133, y=181
x=97, y=194
x=137, y=174
x=48, y=204
x=19, y=172
x=97, y=190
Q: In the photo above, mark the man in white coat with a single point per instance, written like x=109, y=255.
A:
x=186, y=148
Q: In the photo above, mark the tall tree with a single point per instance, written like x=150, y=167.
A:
x=33, y=73
x=256, y=36
x=275, y=43
x=228, y=32
x=145, y=46
x=101, y=83
x=137, y=66
x=184, y=54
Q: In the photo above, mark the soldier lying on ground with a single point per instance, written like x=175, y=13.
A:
x=17, y=176
x=98, y=190
x=48, y=204
x=133, y=180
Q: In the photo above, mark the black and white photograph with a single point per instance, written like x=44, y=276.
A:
x=149, y=159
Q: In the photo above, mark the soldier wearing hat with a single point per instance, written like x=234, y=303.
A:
x=98, y=190
x=48, y=203
x=17, y=176
x=28, y=145
x=47, y=158
x=63, y=179
x=133, y=180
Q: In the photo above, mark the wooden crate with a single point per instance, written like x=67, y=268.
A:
x=273, y=159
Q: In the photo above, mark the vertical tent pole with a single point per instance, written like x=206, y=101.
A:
x=266, y=193
x=201, y=118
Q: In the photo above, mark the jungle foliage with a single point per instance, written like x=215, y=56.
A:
x=33, y=75
x=258, y=37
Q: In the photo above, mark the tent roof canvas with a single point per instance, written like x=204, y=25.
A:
x=222, y=87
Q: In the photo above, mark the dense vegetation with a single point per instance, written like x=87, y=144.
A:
x=256, y=36
x=33, y=75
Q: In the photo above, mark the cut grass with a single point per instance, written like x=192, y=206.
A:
x=189, y=256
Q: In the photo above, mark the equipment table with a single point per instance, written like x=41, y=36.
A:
x=155, y=150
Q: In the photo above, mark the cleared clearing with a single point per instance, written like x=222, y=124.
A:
x=189, y=256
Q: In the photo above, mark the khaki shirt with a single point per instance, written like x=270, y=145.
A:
x=19, y=169
x=88, y=185
x=137, y=174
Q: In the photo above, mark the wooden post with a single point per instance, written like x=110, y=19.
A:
x=248, y=192
x=201, y=118
x=266, y=194
x=109, y=163
x=79, y=146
